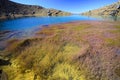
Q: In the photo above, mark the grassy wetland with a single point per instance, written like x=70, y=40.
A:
x=82, y=50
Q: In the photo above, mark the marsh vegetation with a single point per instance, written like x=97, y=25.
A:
x=85, y=50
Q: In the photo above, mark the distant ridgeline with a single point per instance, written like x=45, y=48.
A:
x=9, y=9
x=113, y=10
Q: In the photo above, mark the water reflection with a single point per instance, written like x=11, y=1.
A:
x=114, y=18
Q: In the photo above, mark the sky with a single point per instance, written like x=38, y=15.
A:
x=73, y=6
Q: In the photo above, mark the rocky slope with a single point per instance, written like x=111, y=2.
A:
x=9, y=9
x=113, y=10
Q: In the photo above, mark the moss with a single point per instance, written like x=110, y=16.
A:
x=112, y=42
x=117, y=30
x=118, y=27
x=81, y=27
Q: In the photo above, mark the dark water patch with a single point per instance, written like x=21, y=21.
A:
x=2, y=48
x=117, y=51
x=4, y=32
x=107, y=18
x=4, y=62
x=8, y=35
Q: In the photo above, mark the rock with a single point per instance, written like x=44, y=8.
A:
x=118, y=7
x=114, y=12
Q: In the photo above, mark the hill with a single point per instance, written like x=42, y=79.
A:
x=113, y=9
x=9, y=9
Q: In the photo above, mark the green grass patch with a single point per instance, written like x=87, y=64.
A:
x=118, y=27
x=81, y=27
x=116, y=31
x=113, y=42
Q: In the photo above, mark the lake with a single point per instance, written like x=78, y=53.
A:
x=25, y=27
x=32, y=22
x=27, y=23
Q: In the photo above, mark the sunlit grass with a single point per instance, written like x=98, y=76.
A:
x=81, y=27
x=118, y=27
x=43, y=59
x=117, y=30
x=65, y=71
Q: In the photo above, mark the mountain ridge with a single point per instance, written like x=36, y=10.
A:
x=10, y=9
x=113, y=10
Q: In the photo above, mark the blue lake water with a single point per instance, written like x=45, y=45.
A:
x=33, y=22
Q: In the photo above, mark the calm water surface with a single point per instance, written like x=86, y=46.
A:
x=27, y=23
x=33, y=22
